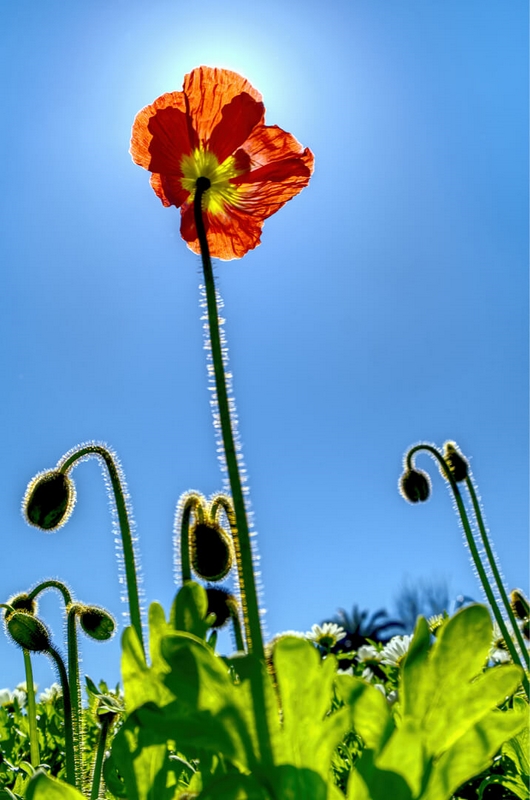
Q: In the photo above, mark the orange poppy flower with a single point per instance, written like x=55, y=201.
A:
x=215, y=128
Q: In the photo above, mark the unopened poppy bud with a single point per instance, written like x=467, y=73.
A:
x=222, y=604
x=456, y=462
x=415, y=486
x=525, y=627
x=211, y=551
x=28, y=632
x=519, y=604
x=97, y=623
x=23, y=602
x=49, y=500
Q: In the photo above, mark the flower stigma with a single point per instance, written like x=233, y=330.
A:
x=204, y=164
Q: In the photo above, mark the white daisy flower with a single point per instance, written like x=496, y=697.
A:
x=50, y=694
x=5, y=697
x=394, y=652
x=391, y=697
x=326, y=635
x=367, y=674
x=367, y=652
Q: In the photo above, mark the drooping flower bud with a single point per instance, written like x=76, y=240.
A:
x=49, y=500
x=211, y=551
x=28, y=632
x=222, y=604
x=415, y=486
x=23, y=602
x=97, y=623
x=519, y=604
x=455, y=461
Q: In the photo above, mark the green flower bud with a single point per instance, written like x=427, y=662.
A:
x=222, y=604
x=49, y=500
x=518, y=602
x=211, y=551
x=23, y=602
x=525, y=627
x=415, y=485
x=97, y=623
x=456, y=462
x=28, y=632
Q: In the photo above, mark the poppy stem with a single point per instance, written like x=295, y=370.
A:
x=247, y=580
x=448, y=475
x=124, y=522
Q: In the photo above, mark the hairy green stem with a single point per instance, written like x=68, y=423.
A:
x=495, y=570
x=474, y=554
x=32, y=712
x=106, y=722
x=73, y=775
x=74, y=682
x=192, y=505
x=247, y=580
x=124, y=524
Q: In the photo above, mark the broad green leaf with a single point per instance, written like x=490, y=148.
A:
x=453, y=694
x=43, y=787
x=405, y=755
x=141, y=683
x=382, y=784
x=142, y=761
x=473, y=752
x=369, y=712
x=518, y=748
x=190, y=609
x=309, y=733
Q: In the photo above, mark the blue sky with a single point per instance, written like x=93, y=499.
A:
x=387, y=304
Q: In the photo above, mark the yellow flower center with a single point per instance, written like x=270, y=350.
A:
x=203, y=164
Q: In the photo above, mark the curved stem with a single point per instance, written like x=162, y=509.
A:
x=496, y=574
x=247, y=579
x=74, y=683
x=106, y=722
x=32, y=712
x=221, y=501
x=52, y=584
x=193, y=504
x=124, y=524
x=474, y=554
x=72, y=775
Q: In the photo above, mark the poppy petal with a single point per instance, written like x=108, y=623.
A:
x=229, y=236
x=169, y=189
x=208, y=90
x=238, y=119
x=276, y=171
x=148, y=125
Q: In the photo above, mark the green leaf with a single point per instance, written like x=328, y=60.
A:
x=143, y=762
x=190, y=610
x=43, y=787
x=369, y=711
x=473, y=752
x=141, y=683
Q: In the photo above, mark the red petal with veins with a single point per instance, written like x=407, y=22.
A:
x=238, y=119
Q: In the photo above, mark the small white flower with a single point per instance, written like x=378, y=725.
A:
x=367, y=674
x=367, y=652
x=394, y=652
x=5, y=697
x=326, y=635
x=50, y=694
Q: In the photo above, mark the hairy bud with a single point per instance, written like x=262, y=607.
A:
x=28, y=632
x=211, y=551
x=222, y=604
x=49, y=500
x=97, y=623
x=518, y=602
x=456, y=462
x=23, y=602
x=415, y=486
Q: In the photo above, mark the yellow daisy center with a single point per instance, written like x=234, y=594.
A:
x=203, y=164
